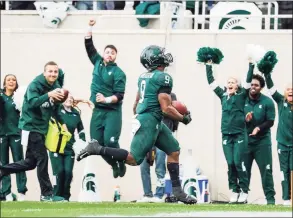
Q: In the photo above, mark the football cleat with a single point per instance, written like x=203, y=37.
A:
x=93, y=148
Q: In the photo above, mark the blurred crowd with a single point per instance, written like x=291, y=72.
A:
x=285, y=7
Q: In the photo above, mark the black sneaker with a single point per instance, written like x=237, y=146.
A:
x=183, y=197
x=93, y=148
x=122, y=168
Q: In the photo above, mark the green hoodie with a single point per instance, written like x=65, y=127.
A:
x=37, y=108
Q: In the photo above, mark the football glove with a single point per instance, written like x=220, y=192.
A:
x=186, y=118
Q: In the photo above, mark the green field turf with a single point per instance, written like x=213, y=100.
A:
x=72, y=209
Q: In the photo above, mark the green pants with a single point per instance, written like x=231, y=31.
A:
x=147, y=132
x=286, y=166
x=235, y=148
x=14, y=142
x=262, y=154
x=105, y=127
x=62, y=166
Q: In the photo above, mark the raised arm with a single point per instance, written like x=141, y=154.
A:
x=272, y=90
x=92, y=53
x=61, y=77
x=247, y=84
x=212, y=82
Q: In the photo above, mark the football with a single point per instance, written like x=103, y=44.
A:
x=180, y=107
x=65, y=92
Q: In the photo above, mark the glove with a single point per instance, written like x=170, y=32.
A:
x=186, y=118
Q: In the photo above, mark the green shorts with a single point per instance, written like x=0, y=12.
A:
x=148, y=131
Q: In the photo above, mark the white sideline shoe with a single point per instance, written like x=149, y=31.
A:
x=234, y=197
x=145, y=199
x=287, y=203
x=243, y=198
x=9, y=197
x=157, y=200
x=21, y=197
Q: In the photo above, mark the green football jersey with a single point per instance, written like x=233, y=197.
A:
x=149, y=85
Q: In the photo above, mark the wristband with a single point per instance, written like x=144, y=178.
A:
x=108, y=100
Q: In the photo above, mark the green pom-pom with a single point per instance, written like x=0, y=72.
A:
x=206, y=54
x=217, y=56
x=268, y=62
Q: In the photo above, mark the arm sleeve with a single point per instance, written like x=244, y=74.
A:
x=272, y=90
x=247, y=83
x=35, y=99
x=119, y=82
x=175, y=123
x=212, y=82
x=119, y=96
x=270, y=117
x=266, y=125
x=166, y=90
x=92, y=53
x=80, y=131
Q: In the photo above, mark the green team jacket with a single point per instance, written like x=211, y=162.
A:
x=233, y=117
x=263, y=110
x=107, y=79
x=285, y=110
x=10, y=117
x=73, y=122
x=37, y=108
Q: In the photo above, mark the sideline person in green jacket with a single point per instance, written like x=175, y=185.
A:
x=284, y=134
x=62, y=164
x=234, y=137
x=38, y=107
x=107, y=93
x=260, y=116
x=10, y=137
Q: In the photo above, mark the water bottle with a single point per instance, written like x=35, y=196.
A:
x=117, y=194
x=206, y=196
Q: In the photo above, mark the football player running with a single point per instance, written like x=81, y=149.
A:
x=153, y=100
